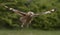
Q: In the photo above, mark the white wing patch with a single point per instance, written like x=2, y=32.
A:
x=47, y=12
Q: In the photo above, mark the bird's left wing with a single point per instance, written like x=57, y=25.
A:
x=47, y=12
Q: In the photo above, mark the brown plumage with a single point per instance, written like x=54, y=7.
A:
x=26, y=18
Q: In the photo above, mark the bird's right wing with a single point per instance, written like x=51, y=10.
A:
x=16, y=11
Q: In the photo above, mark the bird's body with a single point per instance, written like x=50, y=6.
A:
x=26, y=18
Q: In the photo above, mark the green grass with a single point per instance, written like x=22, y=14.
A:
x=28, y=32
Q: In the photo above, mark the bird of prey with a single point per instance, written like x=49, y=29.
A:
x=26, y=18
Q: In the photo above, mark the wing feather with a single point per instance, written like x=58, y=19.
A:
x=42, y=13
x=16, y=11
x=48, y=12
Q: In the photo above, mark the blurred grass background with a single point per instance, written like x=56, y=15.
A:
x=10, y=20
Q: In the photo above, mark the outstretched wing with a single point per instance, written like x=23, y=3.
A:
x=47, y=12
x=16, y=11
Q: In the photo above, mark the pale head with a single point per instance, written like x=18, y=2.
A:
x=30, y=13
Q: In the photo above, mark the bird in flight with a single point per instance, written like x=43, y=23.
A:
x=26, y=18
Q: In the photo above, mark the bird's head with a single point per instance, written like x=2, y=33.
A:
x=30, y=13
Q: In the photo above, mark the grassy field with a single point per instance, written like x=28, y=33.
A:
x=28, y=32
